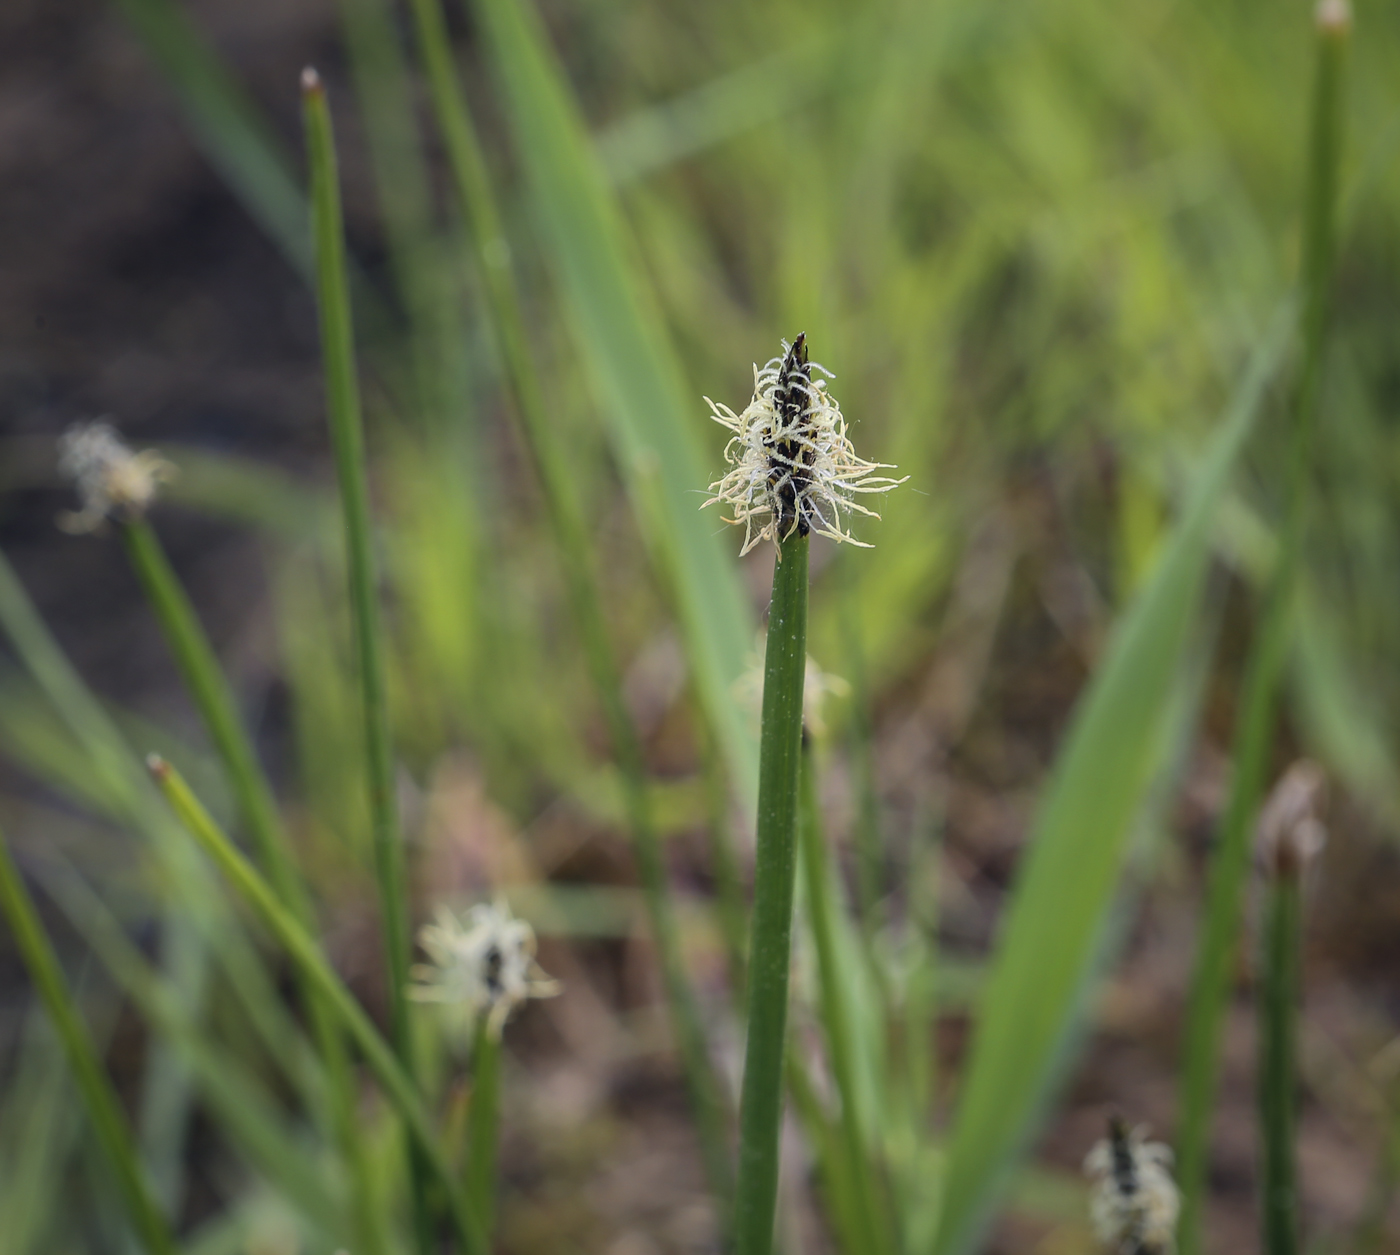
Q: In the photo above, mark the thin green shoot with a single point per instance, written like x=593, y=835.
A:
x=1254, y=731
x=103, y=1108
x=347, y=439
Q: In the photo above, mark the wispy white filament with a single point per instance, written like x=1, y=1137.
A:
x=482, y=964
x=792, y=466
x=110, y=478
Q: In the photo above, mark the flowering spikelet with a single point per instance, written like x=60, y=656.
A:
x=110, y=478
x=792, y=465
x=481, y=964
x=1135, y=1201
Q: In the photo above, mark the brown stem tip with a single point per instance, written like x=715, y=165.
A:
x=157, y=766
x=311, y=84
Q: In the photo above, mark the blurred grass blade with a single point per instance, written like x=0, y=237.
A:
x=229, y=125
x=233, y=1098
x=1066, y=883
x=641, y=392
x=397, y=1085
x=347, y=439
x=1256, y=717
x=103, y=1107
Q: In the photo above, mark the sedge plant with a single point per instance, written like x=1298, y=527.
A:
x=792, y=472
x=1256, y=720
x=347, y=439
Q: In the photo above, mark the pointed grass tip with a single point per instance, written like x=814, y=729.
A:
x=158, y=767
x=311, y=84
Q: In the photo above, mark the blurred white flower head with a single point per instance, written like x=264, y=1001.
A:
x=1135, y=1202
x=817, y=687
x=482, y=964
x=110, y=478
x=792, y=467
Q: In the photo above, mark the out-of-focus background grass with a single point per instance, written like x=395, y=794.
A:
x=1034, y=242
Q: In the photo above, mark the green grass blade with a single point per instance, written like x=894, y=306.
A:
x=347, y=437
x=103, y=1108
x=398, y=1086
x=641, y=392
x=234, y=1098
x=1259, y=690
x=1067, y=880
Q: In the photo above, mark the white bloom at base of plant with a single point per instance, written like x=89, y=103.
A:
x=110, y=478
x=483, y=964
x=792, y=465
x=1135, y=1201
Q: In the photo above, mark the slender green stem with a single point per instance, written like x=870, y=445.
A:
x=200, y=670
x=571, y=535
x=394, y=1078
x=483, y=1125
x=770, y=951
x=1259, y=695
x=108, y=1122
x=1278, y=1014
x=837, y=1019
x=347, y=438
x=203, y=677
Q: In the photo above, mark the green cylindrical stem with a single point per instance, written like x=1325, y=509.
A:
x=200, y=670
x=770, y=948
x=1254, y=731
x=483, y=1125
x=203, y=677
x=397, y=1084
x=469, y=172
x=103, y=1109
x=836, y=1017
x=1278, y=1018
x=347, y=440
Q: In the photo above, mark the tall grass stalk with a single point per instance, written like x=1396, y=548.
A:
x=347, y=438
x=770, y=947
x=836, y=1018
x=1278, y=1028
x=469, y=173
x=1254, y=731
x=394, y=1078
x=204, y=678
x=103, y=1108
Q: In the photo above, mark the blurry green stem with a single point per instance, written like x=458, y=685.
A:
x=398, y=1086
x=1278, y=1011
x=103, y=1108
x=770, y=951
x=836, y=1017
x=347, y=437
x=483, y=1125
x=542, y=440
x=1254, y=732
x=200, y=670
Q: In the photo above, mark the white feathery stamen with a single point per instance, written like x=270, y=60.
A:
x=110, y=478
x=482, y=963
x=1135, y=1201
x=793, y=468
